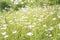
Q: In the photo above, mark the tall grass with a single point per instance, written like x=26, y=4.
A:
x=41, y=23
x=33, y=20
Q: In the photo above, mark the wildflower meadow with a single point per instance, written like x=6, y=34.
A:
x=29, y=20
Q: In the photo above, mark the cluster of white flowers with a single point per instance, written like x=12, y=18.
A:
x=49, y=35
x=4, y=34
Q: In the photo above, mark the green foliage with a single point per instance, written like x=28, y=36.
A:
x=52, y=2
x=4, y=5
x=25, y=3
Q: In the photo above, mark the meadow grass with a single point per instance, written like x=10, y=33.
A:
x=39, y=23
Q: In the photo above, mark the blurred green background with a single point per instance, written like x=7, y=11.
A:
x=16, y=4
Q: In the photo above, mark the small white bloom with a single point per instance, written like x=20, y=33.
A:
x=51, y=28
x=51, y=13
x=29, y=33
x=14, y=32
x=30, y=26
x=4, y=25
x=3, y=33
x=6, y=8
x=44, y=25
x=47, y=34
x=5, y=36
x=58, y=7
x=59, y=24
x=16, y=19
x=58, y=16
x=54, y=19
x=50, y=35
x=40, y=20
